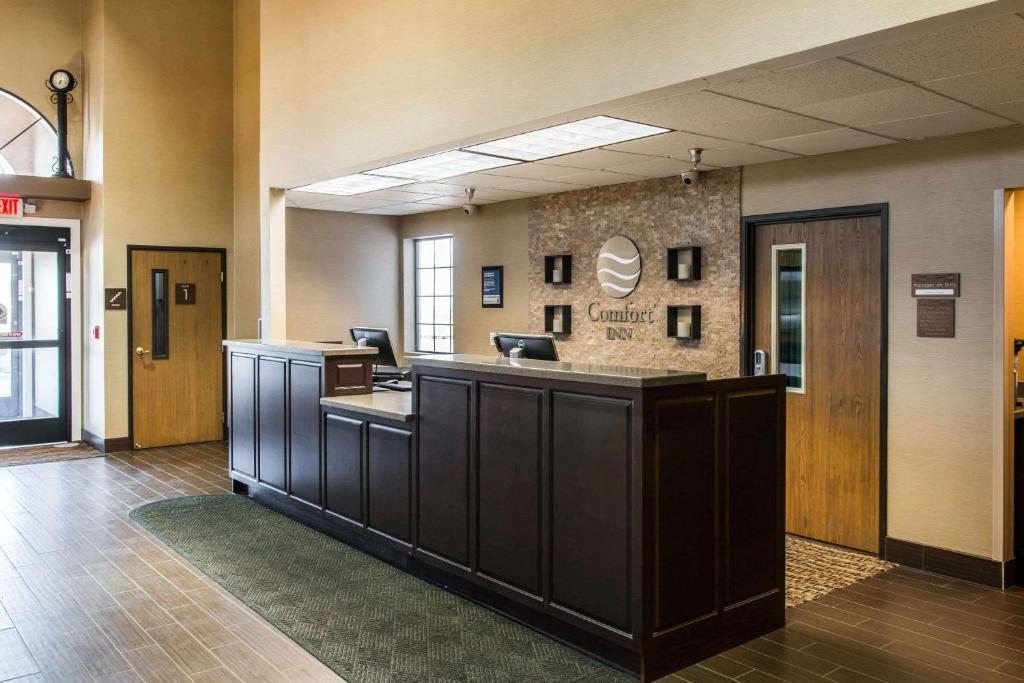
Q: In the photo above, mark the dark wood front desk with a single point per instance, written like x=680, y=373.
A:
x=636, y=515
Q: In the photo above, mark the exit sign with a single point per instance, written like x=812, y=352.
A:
x=11, y=207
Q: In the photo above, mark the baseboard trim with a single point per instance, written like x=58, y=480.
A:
x=983, y=570
x=106, y=445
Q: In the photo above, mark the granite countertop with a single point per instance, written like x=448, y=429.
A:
x=304, y=347
x=393, y=405
x=612, y=375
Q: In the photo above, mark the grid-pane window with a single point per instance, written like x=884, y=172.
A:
x=434, y=295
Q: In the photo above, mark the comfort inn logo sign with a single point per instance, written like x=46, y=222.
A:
x=618, y=267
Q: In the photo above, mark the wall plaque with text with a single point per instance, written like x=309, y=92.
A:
x=936, y=318
x=115, y=298
x=935, y=284
x=185, y=293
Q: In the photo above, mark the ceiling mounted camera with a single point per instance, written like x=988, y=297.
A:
x=469, y=208
x=694, y=175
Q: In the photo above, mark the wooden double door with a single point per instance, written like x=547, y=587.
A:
x=818, y=317
x=177, y=324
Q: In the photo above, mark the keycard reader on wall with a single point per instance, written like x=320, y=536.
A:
x=760, y=362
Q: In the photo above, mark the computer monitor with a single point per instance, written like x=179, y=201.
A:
x=534, y=346
x=377, y=337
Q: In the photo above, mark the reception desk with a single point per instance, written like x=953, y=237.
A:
x=634, y=514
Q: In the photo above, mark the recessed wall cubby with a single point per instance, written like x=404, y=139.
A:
x=683, y=322
x=558, y=269
x=558, y=319
x=683, y=263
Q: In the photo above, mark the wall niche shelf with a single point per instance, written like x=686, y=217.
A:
x=558, y=269
x=558, y=319
x=683, y=263
x=683, y=322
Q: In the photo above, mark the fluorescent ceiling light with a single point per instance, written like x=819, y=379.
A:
x=443, y=165
x=577, y=136
x=357, y=183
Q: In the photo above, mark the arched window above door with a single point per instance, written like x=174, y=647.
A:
x=28, y=142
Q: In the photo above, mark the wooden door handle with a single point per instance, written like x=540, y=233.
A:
x=139, y=351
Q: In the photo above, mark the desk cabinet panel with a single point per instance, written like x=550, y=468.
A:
x=273, y=378
x=343, y=466
x=389, y=480
x=304, y=430
x=443, y=486
x=509, y=479
x=243, y=413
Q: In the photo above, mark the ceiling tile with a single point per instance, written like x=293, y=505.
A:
x=885, y=105
x=479, y=180
x=953, y=51
x=437, y=189
x=596, y=178
x=675, y=144
x=447, y=201
x=936, y=125
x=295, y=198
x=535, y=171
x=489, y=194
x=837, y=140
x=599, y=159
x=1011, y=110
x=541, y=186
x=656, y=167
x=983, y=87
x=777, y=124
x=680, y=112
x=395, y=195
x=356, y=203
x=800, y=86
x=403, y=209
x=741, y=155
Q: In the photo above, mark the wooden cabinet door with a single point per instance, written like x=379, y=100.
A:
x=343, y=466
x=389, y=481
x=243, y=413
x=304, y=392
x=273, y=380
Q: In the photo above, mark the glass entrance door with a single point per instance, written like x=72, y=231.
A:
x=35, y=314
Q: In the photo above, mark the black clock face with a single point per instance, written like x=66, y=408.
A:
x=61, y=80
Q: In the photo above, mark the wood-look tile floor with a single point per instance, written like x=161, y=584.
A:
x=86, y=595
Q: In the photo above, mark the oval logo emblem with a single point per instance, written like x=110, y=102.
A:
x=618, y=267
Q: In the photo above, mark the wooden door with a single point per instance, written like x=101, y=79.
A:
x=177, y=327
x=818, y=314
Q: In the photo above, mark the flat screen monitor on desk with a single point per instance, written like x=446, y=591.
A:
x=534, y=346
x=386, y=366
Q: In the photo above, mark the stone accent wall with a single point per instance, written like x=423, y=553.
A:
x=655, y=214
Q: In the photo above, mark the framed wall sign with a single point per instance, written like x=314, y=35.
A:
x=115, y=298
x=492, y=287
x=935, y=284
x=185, y=293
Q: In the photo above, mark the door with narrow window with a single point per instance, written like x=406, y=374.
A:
x=177, y=309
x=35, y=314
x=818, y=317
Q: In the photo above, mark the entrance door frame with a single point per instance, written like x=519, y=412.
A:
x=74, y=226
x=223, y=329
x=749, y=225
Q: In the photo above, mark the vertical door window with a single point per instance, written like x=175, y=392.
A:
x=435, y=300
x=789, y=319
x=160, y=313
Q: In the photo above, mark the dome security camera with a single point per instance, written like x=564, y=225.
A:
x=694, y=175
x=469, y=208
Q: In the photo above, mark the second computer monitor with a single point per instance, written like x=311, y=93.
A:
x=534, y=346
x=377, y=337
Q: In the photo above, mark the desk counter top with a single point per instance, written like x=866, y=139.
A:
x=392, y=405
x=612, y=375
x=301, y=347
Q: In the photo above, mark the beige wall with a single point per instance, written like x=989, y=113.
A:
x=943, y=470
x=343, y=270
x=245, y=261
x=496, y=235
x=161, y=147
x=36, y=37
x=333, y=100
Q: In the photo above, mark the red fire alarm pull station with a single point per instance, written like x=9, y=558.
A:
x=95, y=331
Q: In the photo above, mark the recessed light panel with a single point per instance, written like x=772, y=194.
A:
x=443, y=165
x=356, y=183
x=566, y=138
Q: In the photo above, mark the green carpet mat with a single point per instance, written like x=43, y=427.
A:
x=365, y=619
